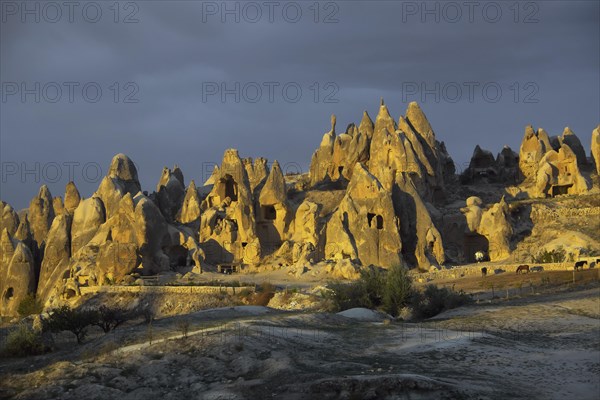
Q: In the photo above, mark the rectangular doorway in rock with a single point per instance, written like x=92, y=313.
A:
x=269, y=213
x=378, y=221
x=474, y=242
x=558, y=190
x=227, y=187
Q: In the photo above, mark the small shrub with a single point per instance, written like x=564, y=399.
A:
x=434, y=300
x=109, y=319
x=29, y=305
x=374, y=289
x=347, y=295
x=184, y=327
x=76, y=321
x=23, y=341
x=553, y=256
x=264, y=294
x=397, y=290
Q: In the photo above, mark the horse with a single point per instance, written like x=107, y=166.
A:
x=483, y=271
x=579, y=265
x=537, y=268
x=523, y=268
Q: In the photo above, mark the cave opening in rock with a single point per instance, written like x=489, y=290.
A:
x=370, y=217
x=558, y=190
x=379, y=220
x=227, y=188
x=269, y=213
x=10, y=292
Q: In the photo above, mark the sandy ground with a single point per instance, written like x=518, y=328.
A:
x=539, y=347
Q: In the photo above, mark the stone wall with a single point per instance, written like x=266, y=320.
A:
x=165, y=289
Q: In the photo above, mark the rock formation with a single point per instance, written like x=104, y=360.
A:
x=273, y=218
x=257, y=171
x=87, y=218
x=72, y=197
x=10, y=219
x=170, y=192
x=17, y=274
x=57, y=253
x=190, y=208
x=550, y=167
x=571, y=140
x=483, y=168
x=121, y=179
x=41, y=214
x=228, y=227
x=488, y=231
x=558, y=173
x=321, y=161
x=381, y=193
x=364, y=227
x=595, y=146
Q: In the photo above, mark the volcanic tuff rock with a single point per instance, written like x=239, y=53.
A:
x=10, y=219
x=87, y=218
x=190, y=208
x=228, y=224
x=41, y=214
x=570, y=139
x=493, y=224
x=484, y=168
x=121, y=179
x=257, y=172
x=376, y=194
x=17, y=275
x=533, y=147
x=170, y=192
x=595, y=146
x=72, y=197
x=321, y=161
x=365, y=227
x=57, y=253
x=558, y=173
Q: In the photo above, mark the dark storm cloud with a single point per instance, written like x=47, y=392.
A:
x=374, y=50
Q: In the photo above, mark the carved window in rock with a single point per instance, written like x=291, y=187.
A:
x=9, y=294
x=227, y=188
x=269, y=213
x=375, y=220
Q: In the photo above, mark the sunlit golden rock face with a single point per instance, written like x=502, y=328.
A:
x=382, y=193
x=595, y=146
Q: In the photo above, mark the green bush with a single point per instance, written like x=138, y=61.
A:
x=434, y=300
x=398, y=290
x=553, y=256
x=109, y=319
x=375, y=288
x=392, y=290
x=29, y=305
x=76, y=321
x=347, y=295
x=23, y=341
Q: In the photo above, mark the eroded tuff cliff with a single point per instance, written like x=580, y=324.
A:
x=381, y=193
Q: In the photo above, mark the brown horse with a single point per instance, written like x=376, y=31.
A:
x=579, y=265
x=523, y=269
x=483, y=271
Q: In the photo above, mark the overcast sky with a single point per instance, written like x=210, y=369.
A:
x=162, y=67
